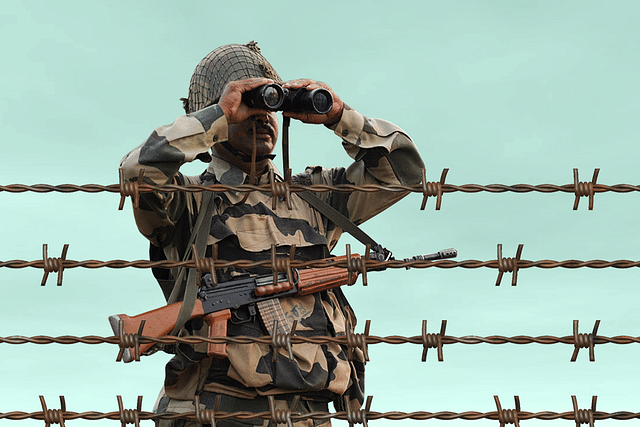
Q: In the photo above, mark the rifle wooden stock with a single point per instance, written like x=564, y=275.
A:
x=161, y=321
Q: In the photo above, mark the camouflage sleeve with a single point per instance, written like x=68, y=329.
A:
x=161, y=156
x=383, y=154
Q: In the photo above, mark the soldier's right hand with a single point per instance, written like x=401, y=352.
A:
x=231, y=99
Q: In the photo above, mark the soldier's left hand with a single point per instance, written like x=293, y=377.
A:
x=331, y=118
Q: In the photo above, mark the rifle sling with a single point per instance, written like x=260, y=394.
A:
x=190, y=288
x=338, y=219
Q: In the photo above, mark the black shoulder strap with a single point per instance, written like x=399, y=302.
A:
x=338, y=219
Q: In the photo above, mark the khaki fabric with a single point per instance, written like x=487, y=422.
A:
x=381, y=153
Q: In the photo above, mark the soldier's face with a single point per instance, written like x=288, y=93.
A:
x=241, y=134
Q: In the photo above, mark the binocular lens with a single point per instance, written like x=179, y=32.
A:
x=322, y=101
x=271, y=97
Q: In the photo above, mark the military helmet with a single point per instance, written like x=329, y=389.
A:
x=223, y=65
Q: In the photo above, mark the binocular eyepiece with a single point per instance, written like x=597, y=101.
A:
x=274, y=97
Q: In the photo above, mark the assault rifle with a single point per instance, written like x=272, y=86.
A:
x=215, y=302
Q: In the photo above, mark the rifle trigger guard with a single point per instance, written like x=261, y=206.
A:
x=250, y=311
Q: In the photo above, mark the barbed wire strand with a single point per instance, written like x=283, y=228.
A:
x=373, y=265
x=428, y=189
x=318, y=188
x=132, y=341
x=504, y=416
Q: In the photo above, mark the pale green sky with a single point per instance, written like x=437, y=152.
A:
x=497, y=91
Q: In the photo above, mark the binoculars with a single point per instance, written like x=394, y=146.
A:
x=274, y=97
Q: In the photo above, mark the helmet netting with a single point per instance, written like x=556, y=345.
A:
x=223, y=65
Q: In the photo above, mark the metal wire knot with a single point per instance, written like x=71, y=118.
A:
x=357, y=416
x=282, y=416
x=282, y=265
x=584, y=416
x=206, y=416
x=584, y=341
x=130, y=188
x=129, y=416
x=357, y=265
x=433, y=340
x=358, y=341
x=279, y=340
x=53, y=416
x=53, y=265
x=508, y=265
x=128, y=341
x=508, y=416
x=584, y=188
x=430, y=189
x=206, y=265
x=279, y=190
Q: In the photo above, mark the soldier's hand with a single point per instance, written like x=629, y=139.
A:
x=231, y=99
x=331, y=118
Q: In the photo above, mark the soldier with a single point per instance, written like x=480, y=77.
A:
x=237, y=142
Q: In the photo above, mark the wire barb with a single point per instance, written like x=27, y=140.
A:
x=129, y=416
x=53, y=416
x=508, y=416
x=206, y=416
x=282, y=265
x=53, y=265
x=280, y=190
x=584, y=188
x=128, y=341
x=433, y=340
x=430, y=189
x=584, y=341
x=506, y=265
x=358, y=341
x=584, y=416
x=282, y=416
x=357, y=265
x=279, y=340
x=130, y=188
x=357, y=416
x=206, y=265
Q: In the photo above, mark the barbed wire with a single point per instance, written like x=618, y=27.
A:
x=376, y=265
x=427, y=340
x=503, y=264
x=283, y=189
x=350, y=340
x=317, y=188
x=353, y=416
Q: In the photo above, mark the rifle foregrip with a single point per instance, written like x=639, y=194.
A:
x=272, y=289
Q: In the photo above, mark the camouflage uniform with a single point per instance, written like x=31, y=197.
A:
x=382, y=153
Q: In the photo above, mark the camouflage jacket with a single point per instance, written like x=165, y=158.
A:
x=382, y=154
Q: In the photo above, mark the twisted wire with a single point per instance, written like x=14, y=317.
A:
x=395, y=264
x=322, y=188
x=342, y=415
x=362, y=339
